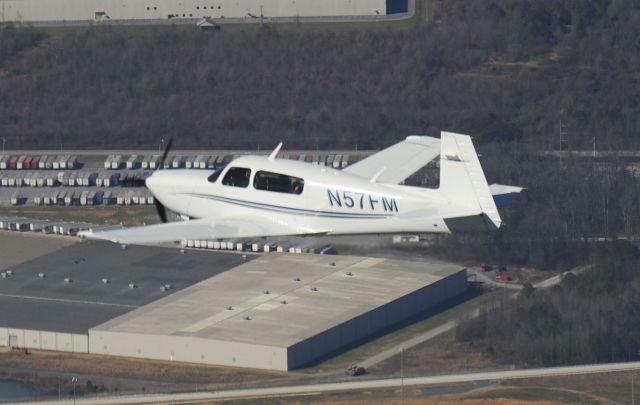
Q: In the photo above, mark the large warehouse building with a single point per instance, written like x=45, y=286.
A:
x=275, y=311
x=100, y=10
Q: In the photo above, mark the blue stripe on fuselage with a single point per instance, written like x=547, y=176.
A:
x=279, y=208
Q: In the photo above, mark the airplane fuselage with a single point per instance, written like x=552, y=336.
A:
x=307, y=197
x=258, y=196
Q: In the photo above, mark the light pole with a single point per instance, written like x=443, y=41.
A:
x=3, y=141
x=74, y=380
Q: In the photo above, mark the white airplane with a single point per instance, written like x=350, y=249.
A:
x=259, y=196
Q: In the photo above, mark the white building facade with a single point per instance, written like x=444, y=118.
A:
x=26, y=11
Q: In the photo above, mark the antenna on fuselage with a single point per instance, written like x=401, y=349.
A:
x=275, y=151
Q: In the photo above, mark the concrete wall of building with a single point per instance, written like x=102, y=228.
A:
x=374, y=321
x=187, y=349
x=91, y=10
x=44, y=340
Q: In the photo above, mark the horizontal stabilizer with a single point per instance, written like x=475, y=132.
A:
x=503, y=195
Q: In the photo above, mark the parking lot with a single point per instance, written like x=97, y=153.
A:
x=103, y=178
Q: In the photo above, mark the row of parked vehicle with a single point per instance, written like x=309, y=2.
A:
x=117, y=162
x=40, y=162
x=87, y=197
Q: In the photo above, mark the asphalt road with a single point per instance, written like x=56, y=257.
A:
x=349, y=386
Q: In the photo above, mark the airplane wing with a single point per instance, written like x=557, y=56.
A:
x=398, y=161
x=199, y=229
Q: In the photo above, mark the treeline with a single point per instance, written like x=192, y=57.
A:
x=592, y=317
x=569, y=206
x=506, y=72
x=14, y=40
x=501, y=70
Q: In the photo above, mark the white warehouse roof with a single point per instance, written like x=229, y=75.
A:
x=267, y=313
x=99, y=10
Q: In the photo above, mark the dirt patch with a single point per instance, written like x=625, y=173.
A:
x=50, y=370
x=494, y=395
x=615, y=387
x=52, y=373
x=533, y=276
x=441, y=355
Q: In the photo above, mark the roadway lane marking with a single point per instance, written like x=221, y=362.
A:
x=67, y=301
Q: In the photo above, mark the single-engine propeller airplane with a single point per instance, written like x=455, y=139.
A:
x=260, y=196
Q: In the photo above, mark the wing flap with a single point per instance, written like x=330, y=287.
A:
x=397, y=162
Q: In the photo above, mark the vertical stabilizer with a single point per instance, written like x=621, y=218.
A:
x=462, y=180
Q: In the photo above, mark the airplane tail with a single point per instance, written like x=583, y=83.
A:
x=463, y=183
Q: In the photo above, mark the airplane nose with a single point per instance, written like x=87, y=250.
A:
x=151, y=182
x=157, y=181
x=169, y=181
x=172, y=188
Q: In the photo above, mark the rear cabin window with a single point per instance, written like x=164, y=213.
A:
x=237, y=177
x=280, y=183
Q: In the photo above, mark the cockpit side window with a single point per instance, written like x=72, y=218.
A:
x=237, y=177
x=280, y=183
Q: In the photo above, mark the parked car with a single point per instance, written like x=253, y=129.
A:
x=355, y=371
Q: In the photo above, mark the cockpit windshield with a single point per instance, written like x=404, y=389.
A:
x=214, y=176
x=237, y=177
